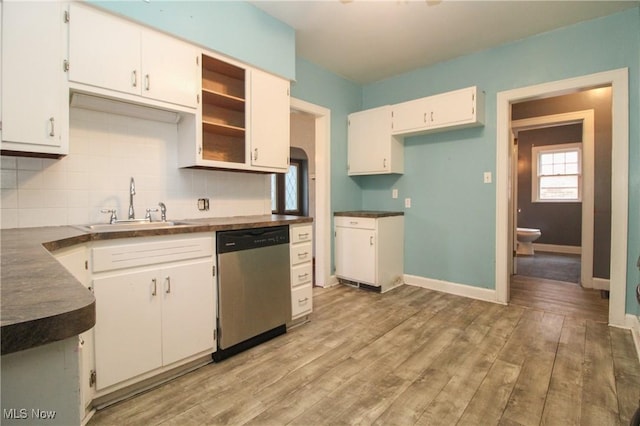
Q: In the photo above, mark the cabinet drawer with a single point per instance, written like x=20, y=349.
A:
x=301, y=274
x=298, y=234
x=301, y=252
x=355, y=222
x=129, y=255
x=301, y=301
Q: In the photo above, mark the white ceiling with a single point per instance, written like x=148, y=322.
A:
x=370, y=40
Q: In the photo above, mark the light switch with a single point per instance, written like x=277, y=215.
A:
x=394, y=193
x=487, y=177
x=407, y=203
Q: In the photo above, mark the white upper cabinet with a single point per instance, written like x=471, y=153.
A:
x=411, y=115
x=169, y=69
x=242, y=122
x=446, y=111
x=269, y=129
x=34, y=93
x=372, y=148
x=111, y=53
x=104, y=51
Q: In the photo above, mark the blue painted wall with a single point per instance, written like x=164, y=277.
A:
x=451, y=225
x=342, y=97
x=234, y=28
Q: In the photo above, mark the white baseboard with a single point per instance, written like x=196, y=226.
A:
x=600, y=284
x=486, y=294
x=632, y=322
x=556, y=248
x=333, y=280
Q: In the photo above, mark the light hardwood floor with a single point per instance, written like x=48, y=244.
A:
x=410, y=356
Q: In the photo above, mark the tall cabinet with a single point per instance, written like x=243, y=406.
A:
x=369, y=249
x=34, y=91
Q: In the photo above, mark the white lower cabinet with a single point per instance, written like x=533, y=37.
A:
x=369, y=250
x=301, y=255
x=156, y=313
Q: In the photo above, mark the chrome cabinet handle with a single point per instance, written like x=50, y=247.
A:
x=353, y=222
x=303, y=276
x=303, y=255
x=384, y=163
x=431, y=116
x=303, y=300
x=303, y=236
x=147, y=82
x=255, y=154
x=53, y=129
x=134, y=78
x=168, y=290
x=371, y=240
x=425, y=117
x=155, y=287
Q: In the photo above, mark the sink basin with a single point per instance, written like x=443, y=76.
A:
x=130, y=226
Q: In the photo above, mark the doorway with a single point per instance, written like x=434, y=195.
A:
x=618, y=79
x=556, y=219
x=322, y=180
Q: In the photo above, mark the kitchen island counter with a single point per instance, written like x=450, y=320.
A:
x=43, y=303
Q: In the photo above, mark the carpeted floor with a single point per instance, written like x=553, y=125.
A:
x=552, y=266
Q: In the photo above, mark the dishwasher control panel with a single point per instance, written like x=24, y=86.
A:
x=245, y=239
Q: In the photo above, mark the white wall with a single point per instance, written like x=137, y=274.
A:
x=105, y=152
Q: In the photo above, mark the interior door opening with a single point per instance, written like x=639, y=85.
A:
x=617, y=253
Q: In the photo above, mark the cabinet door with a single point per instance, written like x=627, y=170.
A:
x=188, y=314
x=355, y=253
x=128, y=337
x=453, y=107
x=412, y=115
x=104, y=51
x=269, y=129
x=369, y=137
x=169, y=69
x=34, y=102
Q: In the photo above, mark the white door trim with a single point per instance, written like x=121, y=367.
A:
x=619, y=81
x=323, y=187
x=588, y=172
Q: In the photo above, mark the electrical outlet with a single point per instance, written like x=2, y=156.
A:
x=487, y=177
x=407, y=203
x=203, y=204
x=394, y=193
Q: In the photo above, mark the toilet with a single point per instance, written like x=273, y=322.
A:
x=526, y=237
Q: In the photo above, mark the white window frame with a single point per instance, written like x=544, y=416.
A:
x=536, y=151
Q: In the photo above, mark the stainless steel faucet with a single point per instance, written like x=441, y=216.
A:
x=163, y=212
x=132, y=192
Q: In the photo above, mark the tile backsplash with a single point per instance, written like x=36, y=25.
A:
x=105, y=151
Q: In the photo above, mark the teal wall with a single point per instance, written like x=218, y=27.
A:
x=451, y=225
x=234, y=28
x=321, y=87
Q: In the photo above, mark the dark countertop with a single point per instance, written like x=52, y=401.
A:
x=368, y=213
x=41, y=302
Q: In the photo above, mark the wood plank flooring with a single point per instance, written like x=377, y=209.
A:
x=410, y=356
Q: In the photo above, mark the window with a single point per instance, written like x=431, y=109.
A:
x=287, y=190
x=556, y=173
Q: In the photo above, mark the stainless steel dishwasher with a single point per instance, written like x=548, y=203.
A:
x=254, y=287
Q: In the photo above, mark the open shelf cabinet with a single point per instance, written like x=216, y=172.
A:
x=223, y=111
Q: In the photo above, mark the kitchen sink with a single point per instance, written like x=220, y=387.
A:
x=132, y=225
